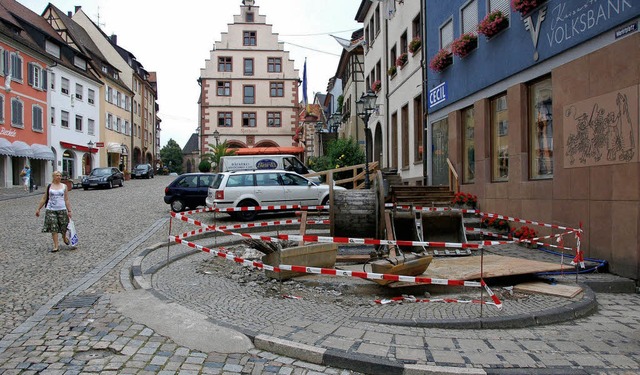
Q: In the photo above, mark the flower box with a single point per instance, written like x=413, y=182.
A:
x=415, y=44
x=441, y=61
x=492, y=24
x=392, y=70
x=465, y=44
x=525, y=6
x=402, y=60
x=376, y=86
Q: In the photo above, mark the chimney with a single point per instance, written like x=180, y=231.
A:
x=78, y=7
x=114, y=39
x=69, y=14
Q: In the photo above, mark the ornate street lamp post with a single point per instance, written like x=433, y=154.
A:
x=365, y=106
x=90, y=144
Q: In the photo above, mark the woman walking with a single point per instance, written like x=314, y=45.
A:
x=26, y=177
x=58, y=211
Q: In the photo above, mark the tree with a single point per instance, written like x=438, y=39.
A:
x=216, y=152
x=343, y=152
x=171, y=155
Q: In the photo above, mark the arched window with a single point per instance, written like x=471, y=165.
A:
x=68, y=164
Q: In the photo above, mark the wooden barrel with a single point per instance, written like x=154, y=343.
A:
x=355, y=213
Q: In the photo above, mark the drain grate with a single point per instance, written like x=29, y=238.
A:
x=77, y=301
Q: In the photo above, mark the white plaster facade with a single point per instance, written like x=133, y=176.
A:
x=249, y=124
x=79, y=107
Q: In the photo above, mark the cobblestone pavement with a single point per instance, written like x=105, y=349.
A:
x=55, y=308
x=58, y=315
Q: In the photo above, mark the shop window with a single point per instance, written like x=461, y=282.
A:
x=500, y=139
x=540, y=130
x=468, y=146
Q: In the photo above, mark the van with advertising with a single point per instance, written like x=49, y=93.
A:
x=258, y=162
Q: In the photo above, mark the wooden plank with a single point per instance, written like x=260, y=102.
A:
x=359, y=258
x=390, y=236
x=468, y=268
x=303, y=226
x=561, y=290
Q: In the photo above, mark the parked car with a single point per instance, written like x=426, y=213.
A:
x=264, y=188
x=103, y=177
x=142, y=171
x=188, y=190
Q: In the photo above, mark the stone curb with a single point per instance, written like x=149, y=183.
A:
x=372, y=364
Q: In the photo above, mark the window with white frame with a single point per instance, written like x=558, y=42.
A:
x=127, y=103
x=119, y=99
x=17, y=113
x=79, y=90
x=91, y=96
x=36, y=76
x=470, y=17
x=126, y=127
x=36, y=118
x=64, y=86
x=16, y=67
x=80, y=62
x=446, y=34
x=118, y=123
x=79, y=123
x=109, y=121
x=91, y=126
x=110, y=94
x=64, y=119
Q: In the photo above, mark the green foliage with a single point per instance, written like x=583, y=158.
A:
x=340, y=103
x=340, y=153
x=171, y=156
x=204, y=166
x=216, y=152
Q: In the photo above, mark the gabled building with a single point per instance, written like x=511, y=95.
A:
x=140, y=100
x=114, y=94
x=249, y=88
x=539, y=116
x=23, y=95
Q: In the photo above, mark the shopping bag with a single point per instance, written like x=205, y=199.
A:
x=72, y=235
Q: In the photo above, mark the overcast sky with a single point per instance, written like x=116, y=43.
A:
x=174, y=39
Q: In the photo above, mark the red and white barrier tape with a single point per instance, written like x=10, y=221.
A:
x=344, y=273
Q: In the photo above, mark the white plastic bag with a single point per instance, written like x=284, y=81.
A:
x=72, y=235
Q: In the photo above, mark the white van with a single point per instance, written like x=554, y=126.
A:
x=257, y=162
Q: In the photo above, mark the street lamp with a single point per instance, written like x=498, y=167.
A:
x=123, y=148
x=90, y=144
x=216, y=135
x=365, y=106
x=334, y=123
x=318, y=127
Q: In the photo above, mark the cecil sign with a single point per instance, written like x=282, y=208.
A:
x=438, y=94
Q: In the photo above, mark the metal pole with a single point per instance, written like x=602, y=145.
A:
x=367, y=183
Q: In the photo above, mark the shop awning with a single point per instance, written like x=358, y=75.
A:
x=42, y=152
x=116, y=148
x=22, y=149
x=5, y=147
x=268, y=150
x=74, y=146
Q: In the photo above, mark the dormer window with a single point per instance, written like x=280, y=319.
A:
x=52, y=49
x=79, y=62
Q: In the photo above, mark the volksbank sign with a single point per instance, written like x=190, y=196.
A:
x=438, y=94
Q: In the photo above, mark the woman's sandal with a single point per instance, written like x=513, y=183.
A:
x=54, y=250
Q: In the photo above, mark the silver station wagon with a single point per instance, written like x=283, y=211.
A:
x=264, y=188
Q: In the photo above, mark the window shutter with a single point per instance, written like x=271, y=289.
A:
x=44, y=80
x=501, y=5
x=30, y=68
x=7, y=61
x=470, y=17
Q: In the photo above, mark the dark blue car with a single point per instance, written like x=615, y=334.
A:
x=188, y=191
x=103, y=177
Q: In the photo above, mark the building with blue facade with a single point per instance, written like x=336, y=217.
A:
x=538, y=114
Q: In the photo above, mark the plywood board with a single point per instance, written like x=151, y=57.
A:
x=561, y=290
x=468, y=268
